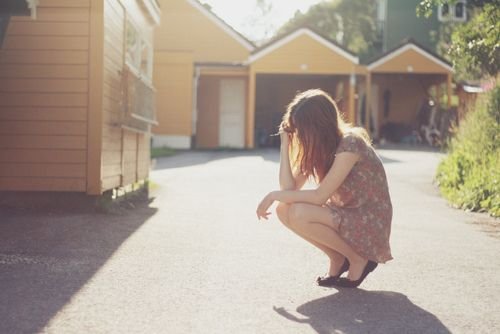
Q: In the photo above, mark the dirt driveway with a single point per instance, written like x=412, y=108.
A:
x=196, y=260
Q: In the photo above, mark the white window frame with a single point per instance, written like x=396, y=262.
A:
x=148, y=75
x=135, y=65
x=451, y=12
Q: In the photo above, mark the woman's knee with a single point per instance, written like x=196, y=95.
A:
x=300, y=215
x=296, y=213
x=282, y=212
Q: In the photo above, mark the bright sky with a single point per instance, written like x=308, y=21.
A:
x=245, y=17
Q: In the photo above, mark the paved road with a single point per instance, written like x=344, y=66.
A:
x=196, y=260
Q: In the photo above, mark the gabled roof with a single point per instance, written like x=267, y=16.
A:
x=223, y=25
x=409, y=44
x=287, y=38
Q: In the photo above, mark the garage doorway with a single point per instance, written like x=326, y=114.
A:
x=275, y=91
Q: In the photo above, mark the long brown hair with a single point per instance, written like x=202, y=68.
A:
x=317, y=128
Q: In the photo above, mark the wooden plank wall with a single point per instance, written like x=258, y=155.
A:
x=114, y=18
x=44, y=98
x=125, y=155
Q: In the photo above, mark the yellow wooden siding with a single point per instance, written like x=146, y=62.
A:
x=130, y=157
x=94, y=119
x=44, y=57
x=410, y=58
x=143, y=155
x=114, y=19
x=185, y=28
x=301, y=52
x=125, y=157
x=173, y=79
x=44, y=98
x=24, y=183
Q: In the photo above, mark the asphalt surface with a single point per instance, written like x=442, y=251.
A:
x=196, y=260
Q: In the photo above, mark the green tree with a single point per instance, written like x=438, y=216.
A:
x=351, y=23
x=473, y=47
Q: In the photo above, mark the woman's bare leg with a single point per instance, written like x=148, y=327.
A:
x=317, y=223
x=336, y=259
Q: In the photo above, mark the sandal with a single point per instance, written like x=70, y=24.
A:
x=347, y=283
x=329, y=281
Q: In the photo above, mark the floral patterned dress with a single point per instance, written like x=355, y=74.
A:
x=362, y=204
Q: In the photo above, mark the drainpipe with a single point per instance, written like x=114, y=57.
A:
x=194, y=119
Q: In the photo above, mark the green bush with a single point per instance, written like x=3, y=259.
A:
x=469, y=177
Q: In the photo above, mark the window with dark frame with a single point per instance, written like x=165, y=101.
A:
x=453, y=12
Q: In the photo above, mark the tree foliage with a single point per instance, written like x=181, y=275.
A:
x=473, y=47
x=351, y=23
x=426, y=7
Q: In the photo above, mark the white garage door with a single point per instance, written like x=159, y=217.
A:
x=232, y=113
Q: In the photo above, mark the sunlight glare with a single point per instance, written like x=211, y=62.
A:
x=245, y=16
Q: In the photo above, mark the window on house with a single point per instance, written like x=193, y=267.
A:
x=460, y=10
x=147, y=60
x=133, y=52
x=139, y=53
x=445, y=10
x=453, y=12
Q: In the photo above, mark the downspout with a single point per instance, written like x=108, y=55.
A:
x=194, y=119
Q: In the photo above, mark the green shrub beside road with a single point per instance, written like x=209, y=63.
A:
x=469, y=177
x=157, y=152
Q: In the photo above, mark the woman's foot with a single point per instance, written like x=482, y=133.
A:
x=356, y=268
x=338, y=266
x=353, y=283
x=330, y=279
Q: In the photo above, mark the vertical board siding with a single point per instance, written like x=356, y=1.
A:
x=44, y=99
x=114, y=18
x=125, y=154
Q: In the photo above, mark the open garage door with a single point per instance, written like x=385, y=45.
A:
x=275, y=91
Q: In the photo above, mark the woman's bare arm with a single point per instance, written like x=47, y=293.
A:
x=288, y=179
x=336, y=175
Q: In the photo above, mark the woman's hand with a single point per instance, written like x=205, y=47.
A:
x=262, y=209
x=285, y=138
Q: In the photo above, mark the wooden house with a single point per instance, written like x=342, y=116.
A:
x=199, y=60
x=216, y=89
x=76, y=95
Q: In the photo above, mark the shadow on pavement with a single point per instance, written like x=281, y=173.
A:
x=47, y=258
x=360, y=311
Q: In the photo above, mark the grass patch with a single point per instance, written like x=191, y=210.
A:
x=157, y=152
x=469, y=177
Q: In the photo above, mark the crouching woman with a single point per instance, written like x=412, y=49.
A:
x=348, y=215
